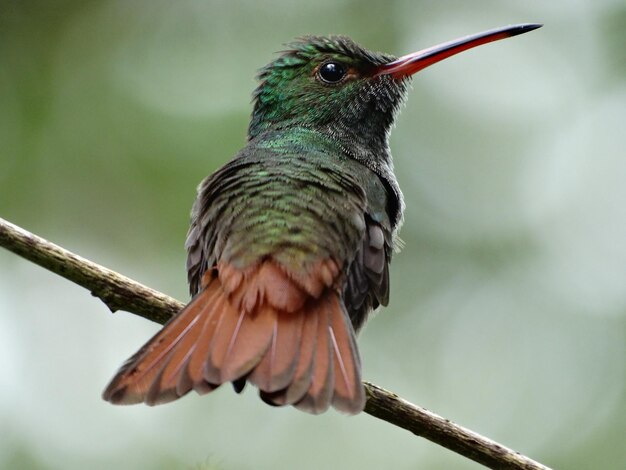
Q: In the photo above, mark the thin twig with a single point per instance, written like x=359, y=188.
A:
x=390, y=407
x=118, y=292
x=121, y=293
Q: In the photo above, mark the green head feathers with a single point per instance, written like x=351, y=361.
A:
x=328, y=84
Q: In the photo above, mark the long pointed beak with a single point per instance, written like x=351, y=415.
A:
x=412, y=63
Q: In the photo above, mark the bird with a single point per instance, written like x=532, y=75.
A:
x=290, y=242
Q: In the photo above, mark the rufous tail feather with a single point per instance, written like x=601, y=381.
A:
x=288, y=335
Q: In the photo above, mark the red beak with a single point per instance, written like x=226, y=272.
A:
x=412, y=63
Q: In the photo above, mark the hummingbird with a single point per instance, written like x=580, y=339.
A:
x=290, y=242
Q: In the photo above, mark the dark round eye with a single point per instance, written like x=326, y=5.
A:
x=332, y=72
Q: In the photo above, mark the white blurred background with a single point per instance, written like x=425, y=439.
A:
x=508, y=310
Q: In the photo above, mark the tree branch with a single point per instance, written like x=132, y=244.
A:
x=121, y=293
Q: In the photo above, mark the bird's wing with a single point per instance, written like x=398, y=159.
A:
x=367, y=284
x=203, y=234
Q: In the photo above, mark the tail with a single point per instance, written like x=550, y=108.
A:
x=289, y=336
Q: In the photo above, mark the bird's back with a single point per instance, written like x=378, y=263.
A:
x=289, y=196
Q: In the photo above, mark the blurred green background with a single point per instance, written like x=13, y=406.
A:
x=508, y=310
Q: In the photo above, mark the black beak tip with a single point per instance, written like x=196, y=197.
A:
x=525, y=28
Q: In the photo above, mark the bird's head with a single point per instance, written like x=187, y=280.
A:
x=333, y=85
x=328, y=83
